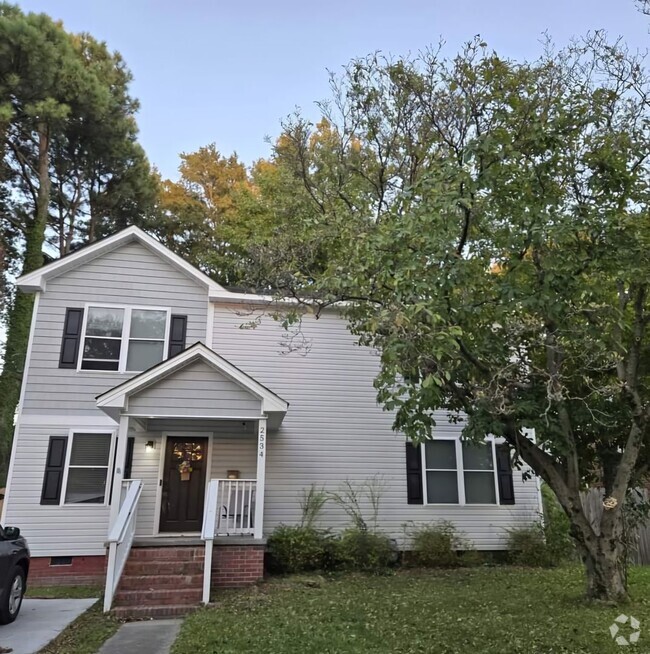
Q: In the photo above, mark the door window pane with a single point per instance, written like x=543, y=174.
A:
x=144, y=354
x=442, y=487
x=479, y=488
x=105, y=321
x=148, y=324
x=477, y=456
x=440, y=455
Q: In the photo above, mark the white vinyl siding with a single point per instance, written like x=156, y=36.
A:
x=131, y=275
x=198, y=390
x=66, y=530
x=334, y=430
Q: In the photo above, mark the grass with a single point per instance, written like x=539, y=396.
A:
x=85, y=635
x=62, y=592
x=495, y=610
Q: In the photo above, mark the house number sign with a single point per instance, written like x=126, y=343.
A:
x=261, y=440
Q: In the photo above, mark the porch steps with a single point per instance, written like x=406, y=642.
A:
x=160, y=581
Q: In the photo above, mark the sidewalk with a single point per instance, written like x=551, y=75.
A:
x=150, y=637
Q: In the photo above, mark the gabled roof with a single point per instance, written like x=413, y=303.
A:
x=115, y=400
x=37, y=280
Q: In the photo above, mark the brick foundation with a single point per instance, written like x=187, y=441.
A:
x=83, y=571
x=234, y=566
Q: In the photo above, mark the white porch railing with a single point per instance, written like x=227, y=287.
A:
x=229, y=510
x=120, y=539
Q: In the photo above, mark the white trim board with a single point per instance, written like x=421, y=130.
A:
x=115, y=401
x=37, y=280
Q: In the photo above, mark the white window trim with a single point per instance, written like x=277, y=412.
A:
x=460, y=474
x=126, y=335
x=109, y=468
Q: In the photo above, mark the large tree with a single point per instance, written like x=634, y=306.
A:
x=67, y=134
x=497, y=258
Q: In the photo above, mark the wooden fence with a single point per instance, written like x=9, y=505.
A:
x=592, y=500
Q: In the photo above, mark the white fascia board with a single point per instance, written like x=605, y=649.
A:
x=117, y=397
x=36, y=281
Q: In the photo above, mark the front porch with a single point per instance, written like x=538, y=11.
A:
x=189, y=474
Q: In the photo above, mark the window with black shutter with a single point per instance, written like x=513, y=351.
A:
x=71, y=338
x=54, y=467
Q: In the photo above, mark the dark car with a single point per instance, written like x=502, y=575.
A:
x=14, y=566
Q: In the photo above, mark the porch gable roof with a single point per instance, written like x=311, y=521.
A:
x=115, y=401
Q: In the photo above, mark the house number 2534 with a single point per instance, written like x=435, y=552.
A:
x=262, y=441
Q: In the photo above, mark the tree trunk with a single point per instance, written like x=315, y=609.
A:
x=603, y=554
x=20, y=314
x=606, y=575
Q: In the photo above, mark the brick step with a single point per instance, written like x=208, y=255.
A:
x=167, y=553
x=154, y=611
x=139, y=567
x=158, y=582
x=160, y=597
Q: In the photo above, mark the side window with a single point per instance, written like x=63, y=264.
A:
x=88, y=466
x=457, y=472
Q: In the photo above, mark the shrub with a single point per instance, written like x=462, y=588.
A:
x=311, y=504
x=528, y=547
x=363, y=550
x=436, y=545
x=297, y=549
x=557, y=534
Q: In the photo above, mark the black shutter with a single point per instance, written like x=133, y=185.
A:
x=504, y=472
x=177, y=331
x=54, y=465
x=71, y=338
x=128, y=464
x=414, y=474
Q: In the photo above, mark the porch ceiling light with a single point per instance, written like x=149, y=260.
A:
x=149, y=446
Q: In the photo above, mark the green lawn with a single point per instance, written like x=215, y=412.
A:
x=63, y=592
x=473, y=611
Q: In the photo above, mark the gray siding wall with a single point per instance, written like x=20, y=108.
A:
x=197, y=389
x=130, y=275
x=334, y=431
x=76, y=529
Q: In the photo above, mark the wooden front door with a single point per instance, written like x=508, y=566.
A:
x=183, y=484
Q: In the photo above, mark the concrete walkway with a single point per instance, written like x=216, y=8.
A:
x=151, y=637
x=39, y=622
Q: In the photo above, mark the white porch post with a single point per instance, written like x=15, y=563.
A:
x=261, y=473
x=120, y=459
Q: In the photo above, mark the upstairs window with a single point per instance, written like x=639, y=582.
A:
x=125, y=339
x=456, y=472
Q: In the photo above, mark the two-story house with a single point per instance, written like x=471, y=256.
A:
x=167, y=425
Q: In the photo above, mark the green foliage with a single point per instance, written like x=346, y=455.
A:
x=436, y=546
x=496, y=256
x=557, y=528
x=357, y=499
x=297, y=549
x=528, y=548
x=71, y=169
x=364, y=551
x=311, y=504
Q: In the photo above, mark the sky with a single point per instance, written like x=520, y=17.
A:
x=227, y=72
